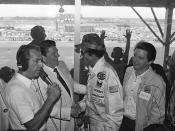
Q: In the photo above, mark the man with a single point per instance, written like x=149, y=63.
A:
x=6, y=74
x=104, y=102
x=38, y=35
x=58, y=72
x=120, y=57
x=144, y=91
x=26, y=110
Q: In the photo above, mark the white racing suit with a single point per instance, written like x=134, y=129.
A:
x=104, y=102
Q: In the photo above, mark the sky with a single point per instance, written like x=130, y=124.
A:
x=86, y=11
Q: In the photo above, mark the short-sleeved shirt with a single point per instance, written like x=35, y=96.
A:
x=23, y=101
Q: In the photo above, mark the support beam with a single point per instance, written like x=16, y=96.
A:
x=173, y=39
x=172, y=35
x=77, y=39
x=167, y=33
x=157, y=22
x=148, y=26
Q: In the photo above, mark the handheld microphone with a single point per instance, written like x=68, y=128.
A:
x=45, y=77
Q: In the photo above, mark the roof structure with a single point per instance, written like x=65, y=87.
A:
x=140, y=3
x=39, y=2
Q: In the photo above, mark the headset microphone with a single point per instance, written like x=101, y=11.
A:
x=45, y=77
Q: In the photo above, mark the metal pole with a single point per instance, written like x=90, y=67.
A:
x=167, y=33
x=154, y=33
x=157, y=22
x=77, y=39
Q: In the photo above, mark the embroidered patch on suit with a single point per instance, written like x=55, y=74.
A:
x=99, y=83
x=97, y=98
x=91, y=75
x=113, y=89
x=101, y=75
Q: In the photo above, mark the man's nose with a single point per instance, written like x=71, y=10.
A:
x=57, y=55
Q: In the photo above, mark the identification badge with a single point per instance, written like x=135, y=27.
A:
x=144, y=95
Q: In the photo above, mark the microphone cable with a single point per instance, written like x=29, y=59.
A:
x=52, y=120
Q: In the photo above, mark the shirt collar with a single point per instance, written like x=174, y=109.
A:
x=141, y=75
x=27, y=82
x=97, y=66
x=49, y=68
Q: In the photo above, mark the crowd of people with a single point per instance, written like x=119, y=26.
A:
x=116, y=95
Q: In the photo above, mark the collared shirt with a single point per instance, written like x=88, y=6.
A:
x=49, y=68
x=97, y=65
x=23, y=101
x=62, y=109
x=25, y=80
x=131, y=94
x=150, y=103
x=4, y=124
x=29, y=83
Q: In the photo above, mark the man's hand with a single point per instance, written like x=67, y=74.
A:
x=75, y=110
x=54, y=92
x=128, y=34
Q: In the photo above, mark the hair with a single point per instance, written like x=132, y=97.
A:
x=118, y=49
x=36, y=31
x=151, y=50
x=6, y=73
x=23, y=56
x=45, y=45
x=97, y=53
x=92, y=38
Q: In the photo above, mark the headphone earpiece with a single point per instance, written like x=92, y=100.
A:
x=22, y=61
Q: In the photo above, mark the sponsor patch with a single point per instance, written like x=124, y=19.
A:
x=113, y=89
x=98, y=91
x=98, y=99
x=99, y=83
x=91, y=75
x=101, y=75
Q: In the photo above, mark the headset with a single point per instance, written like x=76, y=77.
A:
x=23, y=56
